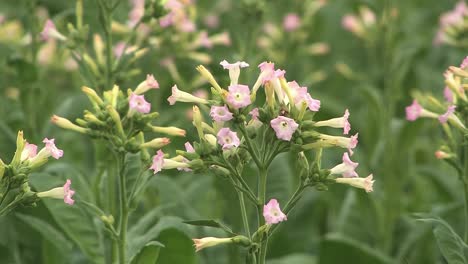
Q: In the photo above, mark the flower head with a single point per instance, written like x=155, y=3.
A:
x=413, y=111
x=234, y=69
x=220, y=113
x=450, y=110
x=346, y=168
x=227, y=138
x=149, y=83
x=180, y=96
x=139, y=104
x=65, y=192
x=50, y=31
x=158, y=162
x=291, y=22
x=68, y=193
x=284, y=127
x=341, y=122
x=238, y=96
x=272, y=213
x=52, y=149
x=358, y=182
x=29, y=151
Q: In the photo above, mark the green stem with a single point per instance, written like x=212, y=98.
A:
x=122, y=243
x=252, y=151
x=465, y=187
x=245, y=219
x=262, y=196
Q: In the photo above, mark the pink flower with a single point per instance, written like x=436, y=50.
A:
x=227, y=138
x=158, y=162
x=29, y=151
x=298, y=93
x=358, y=182
x=68, y=193
x=313, y=104
x=448, y=94
x=187, y=26
x=284, y=127
x=238, y=96
x=166, y=20
x=139, y=104
x=439, y=154
x=50, y=31
x=211, y=21
x=353, y=143
x=267, y=71
x=464, y=63
x=350, y=23
x=413, y=111
x=254, y=113
x=181, y=96
x=52, y=149
x=119, y=49
x=272, y=213
x=450, y=110
x=204, y=40
x=189, y=148
x=291, y=22
x=347, y=168
x=341, y=122
x=151, y=82
x=220, y=113
x=234, y=69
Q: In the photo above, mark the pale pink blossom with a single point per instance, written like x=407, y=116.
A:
x=346, y=168
x=313, y=104
x=291, y=22
x=119, y=49
x=220, y=113
x=68, y=193
x=439, y=154
x=450, y=110
x=211, y=21
x=415, y=110
x=272, y=213
x=139, y=104
x=65, y=192
x=187, y=26
x=284, y=127
x=149, y=83
x=342, y=142
x=358, y=182
x=189, y=148
x=340, y=122
x=464, y=63
x=29, y=151
x=448, y=94
x=158, y=162
x=50, y=31
x=204, y=40
x=234, y=69
x=227, y=138
x=209, y=242
x=238, y=96
x=254, y=113
x=52, y=149
x=181, y=96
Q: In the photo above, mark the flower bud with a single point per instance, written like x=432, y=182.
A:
x=2, y=169
x=210, y=242
x=116, y=118
x=211, y=139
x=209, y=77
x=20, y=142
x=303, y=165
x=197, y=121
x=93, y=96
x=156, y=143
x=90, y=117
x=172, y=131
x=67, y=124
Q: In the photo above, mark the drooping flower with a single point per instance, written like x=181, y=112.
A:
x=358, y=182
x=415, y=110
x=284, y=127
x=29, y=151
x=227, y=138
x=180, y=96
x=342, y=142
x=313, y=104
x=65, y=192
x=340, y=122
x=220, y=113
x=234, y=69
x=450, y=110
x=291, y=22
x=238, y=96
x=139, y=104
x=158, y=162
x=50, y=31
x=209, y=242
x=52, y=149
x=272, y=213
x=347, y=168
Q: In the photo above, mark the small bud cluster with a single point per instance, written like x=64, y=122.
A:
x=121, y=119
x=14, y=177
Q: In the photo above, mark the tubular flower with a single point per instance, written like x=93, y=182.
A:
x=254, y=113
x=158, y=162
x=358, y=182
x=448, y=94
x=65, y=193
x=238, y=96
x=156, y=143
x=346, y=168
x=444, y=117
x=51, y=149
x=234, y=69
x=220, y=113
x=291, y=22
x=139, y=104
x=29, y=151
x=227, y=138
x=341, y=122
x=149, y=83
x=415, y=110
x=180, y=96
x=343, y=142
x=51, y=32
x=272, y=213
x=209, y=242
x=284, y=127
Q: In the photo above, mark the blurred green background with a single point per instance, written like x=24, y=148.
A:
x=341, y=225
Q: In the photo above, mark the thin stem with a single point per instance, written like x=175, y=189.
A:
x=262, y=196
x=250, y=147
x=245, y=219
x=465, y=187
x=123, y=209
x=290, y=204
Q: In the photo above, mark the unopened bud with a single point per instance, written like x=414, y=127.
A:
x=172, y=131
x=67, y=124
x=93, y=96
x=116, y=118
x=156, y=143
x=209, y=77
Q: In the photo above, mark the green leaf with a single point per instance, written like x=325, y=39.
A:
x=139, y=238
x=148, y=254
x=178, y=247
x=211, y=223
x=450, y=244
x=78, y=225
x=338, y=249
x=49, y=232
x=294, y=259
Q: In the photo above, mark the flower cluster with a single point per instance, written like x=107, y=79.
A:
x=121, y=119
x=257, y=123
x=452, y=26
x=450, y=112
x=14, y=177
